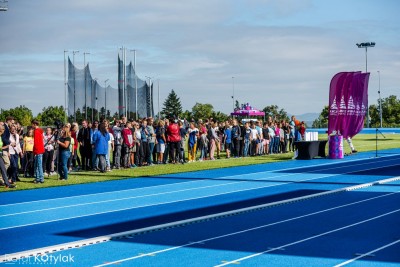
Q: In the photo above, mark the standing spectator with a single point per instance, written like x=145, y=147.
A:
x=15, y=151
x=174, y=140
x=247, y=140
x=271, y=137
x=221, y=136
x=28, y=154
x=161, y=140
x=110, y=150
x=38, y=151
x=49, y=141
x=85, y=147
x=212, y=136
x=137, y=137
x=203, y=144
x=145, y=134
x=277, y=140
x=127, y=145
x=182, y=132
x=100, y=140
x=76, y=161
x=117, y=132
x=292, y=126
x=282, y=139
x=95, y=159
x=302, y=130
x=64, y=143
x=242, y=131
x=72, y=150
x=5, y=137
x=236, y=133
x=3, y=170
x=192, y=143
x=227, y=140
x=265, y=133
x=151, y=139
x=166, y=152
x=254, y=137
x=260, y=137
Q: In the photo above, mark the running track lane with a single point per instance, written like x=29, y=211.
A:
x=324, y=231
x=63, y=231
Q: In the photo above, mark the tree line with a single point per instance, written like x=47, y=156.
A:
x=172, y=106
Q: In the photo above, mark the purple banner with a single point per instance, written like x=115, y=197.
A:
x=348, y=103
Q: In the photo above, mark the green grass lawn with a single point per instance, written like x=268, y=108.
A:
x=361, y=142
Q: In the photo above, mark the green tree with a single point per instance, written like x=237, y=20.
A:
x=202, y=111
x=322, y=120
x=276, y=113
x=390, y=113
x=50, y=114
x=21, y=114
x=186, y=115
x=219, y=116
x=172, y=105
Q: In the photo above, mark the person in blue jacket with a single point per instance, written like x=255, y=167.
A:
x=100, y=141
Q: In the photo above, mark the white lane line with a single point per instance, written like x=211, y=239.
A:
x=100, y=239
x=154, y=204
x=368, y=253
x=197, y=188
x=308, y=238
x=187, y=199
x=224, y=177
x=252, y=229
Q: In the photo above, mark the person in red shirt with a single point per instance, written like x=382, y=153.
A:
x=174, y=140
x=38, y=151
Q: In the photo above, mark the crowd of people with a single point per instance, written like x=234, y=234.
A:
x=122, y=143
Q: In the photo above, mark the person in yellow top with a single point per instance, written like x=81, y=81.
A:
x=28, y=154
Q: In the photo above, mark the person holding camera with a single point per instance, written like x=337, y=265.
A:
x=64, y=152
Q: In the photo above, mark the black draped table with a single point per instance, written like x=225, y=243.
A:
x=310, y=149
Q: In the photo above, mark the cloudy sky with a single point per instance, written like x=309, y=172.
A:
x=281, y=52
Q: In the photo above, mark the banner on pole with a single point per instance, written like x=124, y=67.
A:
x=348, y=103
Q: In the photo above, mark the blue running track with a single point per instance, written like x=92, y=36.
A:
x=356, y=228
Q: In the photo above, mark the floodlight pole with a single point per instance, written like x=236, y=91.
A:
x=105, y=98
x=84, y=71
x=366, y=45
x=150, y=93
x=233, y=93
x=97, y=107
x=136, y=89
x=73, y=63
x=65, y=89
x=380, y=99
x=158, y=102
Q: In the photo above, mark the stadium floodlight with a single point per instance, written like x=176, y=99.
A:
x=366, y=45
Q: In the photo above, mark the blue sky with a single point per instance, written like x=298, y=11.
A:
x=280, y=52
